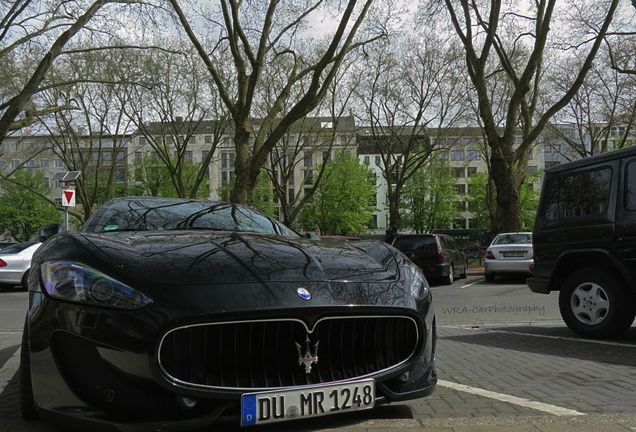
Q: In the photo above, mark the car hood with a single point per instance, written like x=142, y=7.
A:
x=208, y=257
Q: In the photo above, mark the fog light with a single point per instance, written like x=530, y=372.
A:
x=186, y=402
x=405, y=376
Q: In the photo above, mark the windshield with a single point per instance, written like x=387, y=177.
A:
x=416, y=242
x=16, y=248
x=169, y=215
x=505, y=239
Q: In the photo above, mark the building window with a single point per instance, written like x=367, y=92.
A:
x=443, y=155
x=143, y=141
x=193, y=139
x=474, y=155
x=461, y=189
x=30, y=163
x=59, y=163
x=189, y=156
x=471, y=171
x=459, y=172
x=290, y=195
x=291, y=179
x=377, y=161
x=204, y=155
x=44, y=163
x=120, y=175
x=138, y=156
x=12, y=147
x=532, y=169
x=208, y=139
x=15, y=163
x=326, y=156
x=1, y=164
x=307, y=159
x=309, y=177
x=530, y=155
x=457, y=155
x=367, y=160
x=227, y=160
x=343, y=139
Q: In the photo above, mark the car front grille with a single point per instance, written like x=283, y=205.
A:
x=265, y=354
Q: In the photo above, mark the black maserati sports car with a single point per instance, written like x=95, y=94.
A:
x=174, y=314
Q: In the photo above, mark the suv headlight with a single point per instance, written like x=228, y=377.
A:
x=417, y=283
x=75, y=282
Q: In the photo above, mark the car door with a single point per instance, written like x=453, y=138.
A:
x=626, y=216
x=450, y=250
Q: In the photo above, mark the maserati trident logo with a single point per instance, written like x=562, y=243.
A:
x=308, y=358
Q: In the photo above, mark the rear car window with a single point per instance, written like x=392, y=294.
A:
x=581, y=194
x=419, y=242
x=17, y=248
x=513, y=239
x=630, y=186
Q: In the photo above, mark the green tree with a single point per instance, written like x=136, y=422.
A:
x=341, y=202
x=262, y=195
x=22, y=209
x=429, y=198
x=481, y=202
x=149, y=177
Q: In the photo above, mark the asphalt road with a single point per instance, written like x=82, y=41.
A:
x=505, y=362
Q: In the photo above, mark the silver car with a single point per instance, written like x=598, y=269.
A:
x=509, y=253
x=15, y=262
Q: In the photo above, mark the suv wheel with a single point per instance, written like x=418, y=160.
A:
x=448, y=280
x=595, y=303
x=464, y=275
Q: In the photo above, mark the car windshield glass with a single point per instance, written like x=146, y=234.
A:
x=416, y=242
x=16, y=248
x=513, y=239
x=167, y=215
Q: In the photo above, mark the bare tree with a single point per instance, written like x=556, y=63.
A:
x=33, y=35
x=256, y=35
x=408, y=89
x=604, y=106
x=499, y=35
x=170, y=115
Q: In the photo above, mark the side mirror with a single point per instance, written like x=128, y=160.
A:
x=48, y=231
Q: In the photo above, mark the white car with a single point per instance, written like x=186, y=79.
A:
x=509, y=253
x=15, y=262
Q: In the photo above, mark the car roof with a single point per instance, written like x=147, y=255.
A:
x=593, y=160
x=517, y=232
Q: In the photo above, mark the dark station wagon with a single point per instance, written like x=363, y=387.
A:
x=438, y=255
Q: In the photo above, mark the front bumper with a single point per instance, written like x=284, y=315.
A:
x=508, y=266
x=97, y=368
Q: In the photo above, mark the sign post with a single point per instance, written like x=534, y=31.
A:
x=68, y=194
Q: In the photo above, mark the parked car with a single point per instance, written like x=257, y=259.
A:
x=509, y=253
x=585, y=242
x=438, y=255
x=15, y=262
x=168, y=313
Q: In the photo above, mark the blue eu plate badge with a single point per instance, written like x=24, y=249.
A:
x=248, y=412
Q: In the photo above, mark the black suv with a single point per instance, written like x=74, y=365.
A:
x=585, y=242
x=438, y=255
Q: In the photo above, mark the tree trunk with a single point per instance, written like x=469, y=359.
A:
x=394, y=210
x=507, y=217
x=242, y=191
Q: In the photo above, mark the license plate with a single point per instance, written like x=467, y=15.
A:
x=276, y=406
x=514, y=254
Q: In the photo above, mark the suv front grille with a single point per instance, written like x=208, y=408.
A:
x=264, y=354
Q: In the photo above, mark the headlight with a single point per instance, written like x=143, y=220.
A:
x=418, y=285
x=75, y=282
